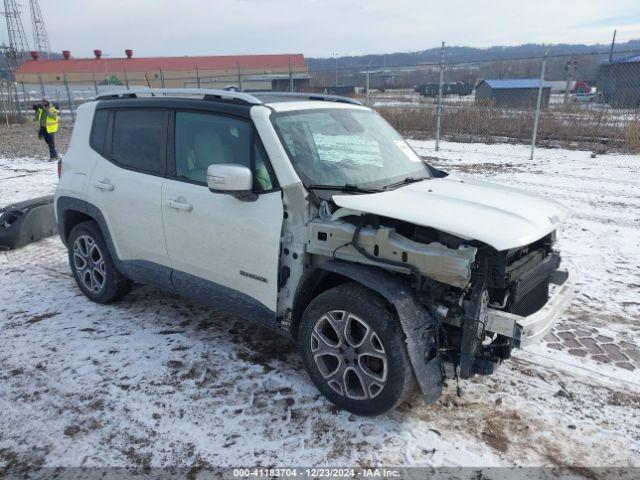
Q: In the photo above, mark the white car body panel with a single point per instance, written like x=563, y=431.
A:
x=223, y=236
x=500, y=216
x=132, y=211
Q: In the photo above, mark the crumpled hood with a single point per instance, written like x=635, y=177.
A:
x=500, y=216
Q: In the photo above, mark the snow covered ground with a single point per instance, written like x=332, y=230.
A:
x=24, y=178
x=156, y=380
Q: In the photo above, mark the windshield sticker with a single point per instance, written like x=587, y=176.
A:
x=406, y=149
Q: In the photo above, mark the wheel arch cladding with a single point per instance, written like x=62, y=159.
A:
x=70, y=219
x=421, y=329
x=312, y=283
x=74, y=209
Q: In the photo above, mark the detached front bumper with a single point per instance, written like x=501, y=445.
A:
x=530, y=329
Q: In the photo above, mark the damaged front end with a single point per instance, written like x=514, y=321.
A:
x=462, y=304
x=513, y=299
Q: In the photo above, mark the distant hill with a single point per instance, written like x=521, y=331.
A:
x=465, y=54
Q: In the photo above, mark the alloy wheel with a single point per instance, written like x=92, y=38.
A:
x=349, y=355
x=89, y=263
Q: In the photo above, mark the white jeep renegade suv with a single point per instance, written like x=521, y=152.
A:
x=311, y=216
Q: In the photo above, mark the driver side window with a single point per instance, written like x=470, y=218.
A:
x=203, y=139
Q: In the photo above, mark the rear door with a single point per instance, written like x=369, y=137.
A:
x=127, y=185
x=224, y=251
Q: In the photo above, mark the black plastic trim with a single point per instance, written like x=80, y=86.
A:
x=26, y=222
x=213, y=106
x=224, y=299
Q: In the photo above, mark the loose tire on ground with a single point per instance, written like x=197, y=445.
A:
x=365, y=369
x=92, y=265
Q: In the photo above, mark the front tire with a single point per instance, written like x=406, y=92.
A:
x=354, y=350
x=92, y=265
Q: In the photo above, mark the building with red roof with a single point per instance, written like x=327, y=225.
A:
x=254, y=71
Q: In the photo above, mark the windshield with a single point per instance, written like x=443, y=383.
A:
x=347, y=147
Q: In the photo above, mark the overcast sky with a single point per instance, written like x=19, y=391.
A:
x=323, y=27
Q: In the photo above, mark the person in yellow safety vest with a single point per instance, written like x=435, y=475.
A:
x=48, y=117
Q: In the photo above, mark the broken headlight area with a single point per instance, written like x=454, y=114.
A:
x=516, y=282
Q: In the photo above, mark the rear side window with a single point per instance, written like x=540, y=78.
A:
x=139, y=140
x=99, y=131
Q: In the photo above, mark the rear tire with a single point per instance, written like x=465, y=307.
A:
x=354, y=350
x=92, y=265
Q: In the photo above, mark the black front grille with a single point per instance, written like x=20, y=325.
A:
x=533, y=300
x=531, y=278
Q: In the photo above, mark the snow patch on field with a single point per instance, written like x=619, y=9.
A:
x=26, y=178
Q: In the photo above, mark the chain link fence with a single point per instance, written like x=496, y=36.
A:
x=585, y=101
x=579, y=101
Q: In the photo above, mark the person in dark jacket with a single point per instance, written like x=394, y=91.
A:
x=48, y=119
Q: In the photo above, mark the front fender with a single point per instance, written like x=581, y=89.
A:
x=421, y=329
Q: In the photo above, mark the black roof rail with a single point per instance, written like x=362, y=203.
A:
x=248, y=98
x=206, y=93
x=308, y=96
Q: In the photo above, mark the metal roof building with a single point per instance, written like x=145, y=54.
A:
x=215, y=71
x=619, y=82
x=521, y=92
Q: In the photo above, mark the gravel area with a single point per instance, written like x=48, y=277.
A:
x=19, y=141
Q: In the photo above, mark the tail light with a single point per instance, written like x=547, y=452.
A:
x=59, y=167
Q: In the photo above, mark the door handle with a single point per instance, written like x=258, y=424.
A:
x=104, y=186
x=187, y=207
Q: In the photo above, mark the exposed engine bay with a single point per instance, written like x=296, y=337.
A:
x=459, y=282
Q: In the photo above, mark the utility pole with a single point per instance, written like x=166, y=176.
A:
x=290, y=76
x=536, y=119
x=40, y=37
x=570, y=67
x=70, y=102
x=439, y=107
x=368, y=83
x=335, y=56
x=613, y=42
